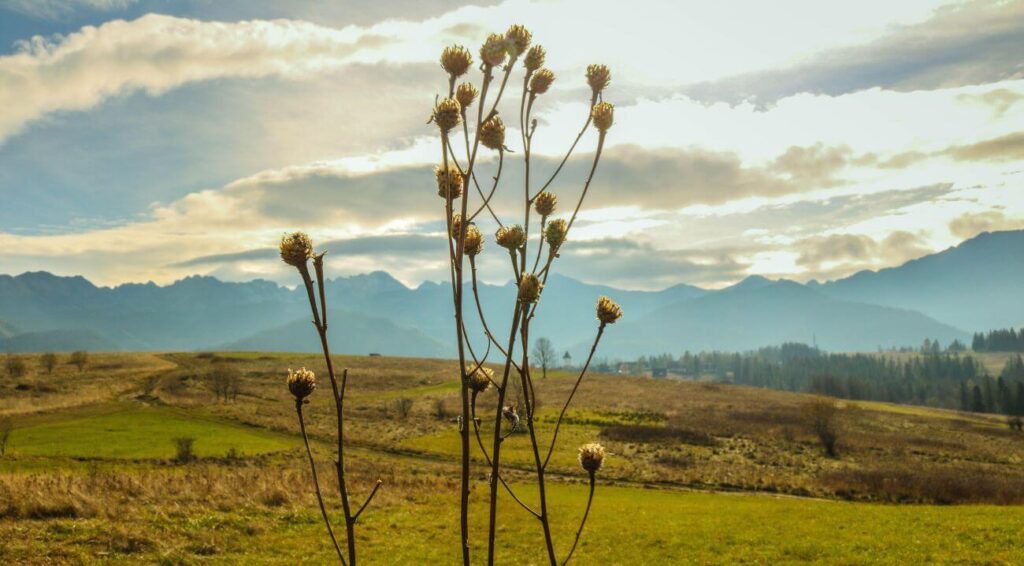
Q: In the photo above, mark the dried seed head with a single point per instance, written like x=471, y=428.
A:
x=608, y=311
x=494, y=50
x=598, y=77
x=465, y=94
x=534, y=58
x=518, y=38
x=301, y=383
x=480, y=378
x=447, y=114
x=529, y=288
x=603, y=114
x=591, y=457
x=541, y=81
x=456, y=225
x=456, y=60
x=474, y=243
x=492, y=133
x=555, y=233
x=511, y=237
x=296, y=248
x=545, y=203
x=449, y=183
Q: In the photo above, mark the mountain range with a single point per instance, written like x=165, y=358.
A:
x=971, y=287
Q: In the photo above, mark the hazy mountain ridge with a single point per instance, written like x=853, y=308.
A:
x=930, y=297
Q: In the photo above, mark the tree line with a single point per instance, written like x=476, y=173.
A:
x=940, y=379
x=1002, y=340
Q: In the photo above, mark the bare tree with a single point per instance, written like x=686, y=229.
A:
x=224, y=379
x=48, y=361
x=545, y=355
x=79, y=359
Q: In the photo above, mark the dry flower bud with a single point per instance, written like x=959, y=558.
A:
x=474, y=243
x=598, y=77
x=608, y=311
x=541, y=81
x=480, y=378
x=518, y=38
x=456, y=60
x=492, y=133
x=534, y=58
x=447, y=114
x=494, y=50
x=554, y=233
x=603, y=114
x=449, y=183
x=296, y=249
x=301, y=383
x=456, y=225
x=529, y=288
x=591, y=457
x=511, y=237
x=465, y=94
x=545, y=203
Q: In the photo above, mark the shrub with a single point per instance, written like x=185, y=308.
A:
x=79, y=359
x=6, y=426
x=650, y=433
x=821, y=415
x=15, y=366
x=184, y=450
x=403, y=407
x=440, y=408
x=48, y=361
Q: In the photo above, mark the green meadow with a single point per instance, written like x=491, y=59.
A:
x=696, y=474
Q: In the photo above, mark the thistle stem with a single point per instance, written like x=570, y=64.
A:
x=586, y=513
x=316, y=483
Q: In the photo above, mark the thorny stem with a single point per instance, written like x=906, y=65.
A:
x=583, y=372
x=368, y=500
x=316, y=481
x=586, y=512
x=593, y=101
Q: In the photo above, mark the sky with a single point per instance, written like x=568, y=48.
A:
x=149, y=140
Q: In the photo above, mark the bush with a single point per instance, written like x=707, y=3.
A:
x=6, y=426
x=79, y=359
x=15, y=366
x=821, y=415
x=1015, y=423
x=184, y=450
x=48, y=361
x=403, y=407
x=651, y=433
x=440, y=409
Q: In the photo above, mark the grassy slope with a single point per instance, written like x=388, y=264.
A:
x=264, y=514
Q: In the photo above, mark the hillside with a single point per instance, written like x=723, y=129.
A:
x=975, y=286
x=762, y=313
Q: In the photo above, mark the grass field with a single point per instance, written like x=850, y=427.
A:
x=697, y=473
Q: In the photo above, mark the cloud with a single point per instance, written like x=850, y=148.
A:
x=156, y=53
x=970, y=225
x=826, y=256
x=1005, y=148
x=964, y=44
x=54, y=9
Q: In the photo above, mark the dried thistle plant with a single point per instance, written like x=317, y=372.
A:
x=297, y=251
x=499, y=57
